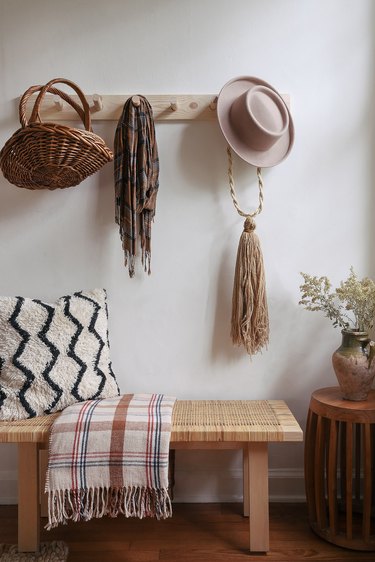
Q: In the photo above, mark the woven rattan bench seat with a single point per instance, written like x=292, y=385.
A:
x=33, y=430
x=233, y=420
x=193, y=420
x=196, y=424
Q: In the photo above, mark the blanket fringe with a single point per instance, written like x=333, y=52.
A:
x=83, y=505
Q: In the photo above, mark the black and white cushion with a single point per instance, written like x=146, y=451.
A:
x=53, y=355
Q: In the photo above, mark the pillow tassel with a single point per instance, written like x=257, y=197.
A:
x=250, y=324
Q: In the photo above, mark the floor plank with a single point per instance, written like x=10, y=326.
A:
x=195, y=533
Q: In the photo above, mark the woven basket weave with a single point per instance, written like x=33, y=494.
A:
x=48, y=155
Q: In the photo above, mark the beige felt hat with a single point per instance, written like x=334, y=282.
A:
x=255, y=121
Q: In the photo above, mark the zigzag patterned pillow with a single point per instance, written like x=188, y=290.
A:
x=53, y=355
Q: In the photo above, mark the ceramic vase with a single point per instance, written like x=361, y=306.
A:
x=354, y=365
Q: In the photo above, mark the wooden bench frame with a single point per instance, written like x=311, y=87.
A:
x=251, y=435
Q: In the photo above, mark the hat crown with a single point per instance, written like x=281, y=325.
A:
x=260, y=117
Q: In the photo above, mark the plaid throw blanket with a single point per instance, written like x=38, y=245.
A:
x=110, y=457
x=136, y=171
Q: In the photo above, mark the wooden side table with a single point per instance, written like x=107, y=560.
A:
x=340, y=469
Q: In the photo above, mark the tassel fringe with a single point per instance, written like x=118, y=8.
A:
x=250, y=323
x=83, y=505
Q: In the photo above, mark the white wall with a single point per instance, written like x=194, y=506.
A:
x=170, y=332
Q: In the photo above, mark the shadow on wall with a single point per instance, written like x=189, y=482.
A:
x=18, y=202
x=9, y=122
x=202, y=156
x=105, y=199
x=208, y=167
x=300, y=361
x=222, y=346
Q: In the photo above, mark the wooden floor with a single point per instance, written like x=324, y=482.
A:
x=195, y=533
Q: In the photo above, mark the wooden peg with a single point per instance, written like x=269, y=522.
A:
x=213, y=104
x=173, y=105
x=136, y=101
x=58, y=102
x=98, y=102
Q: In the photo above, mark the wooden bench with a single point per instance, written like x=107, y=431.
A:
x=196, y=424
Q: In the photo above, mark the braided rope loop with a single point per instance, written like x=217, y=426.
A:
x=233, y=191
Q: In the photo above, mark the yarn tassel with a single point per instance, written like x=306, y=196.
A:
x=250, y=324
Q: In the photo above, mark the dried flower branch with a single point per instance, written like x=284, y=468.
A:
x=354, y=295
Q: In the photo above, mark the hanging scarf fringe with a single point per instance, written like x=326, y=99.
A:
x=83, y=505
x=250, y=322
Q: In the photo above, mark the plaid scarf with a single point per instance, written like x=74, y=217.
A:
x=108, y=457
x=136, y=170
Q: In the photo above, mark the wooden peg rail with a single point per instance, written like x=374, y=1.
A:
x=167, y=107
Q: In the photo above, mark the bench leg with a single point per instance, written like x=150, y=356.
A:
x=28, y=497
x=245, y=463
x=43, y=464
x=258, y=496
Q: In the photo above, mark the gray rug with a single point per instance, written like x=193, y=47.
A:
x=49, y=552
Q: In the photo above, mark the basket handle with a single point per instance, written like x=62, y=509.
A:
x=24, y=99
x=83, y=112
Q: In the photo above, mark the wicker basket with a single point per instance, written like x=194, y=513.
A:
x=50, y=156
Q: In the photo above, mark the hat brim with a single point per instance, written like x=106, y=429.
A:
x=262, y=159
